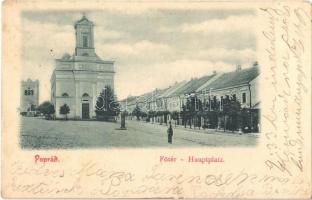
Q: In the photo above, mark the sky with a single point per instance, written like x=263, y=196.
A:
x=152, y=48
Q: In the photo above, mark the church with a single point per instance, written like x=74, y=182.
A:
x=29, y=97
x=78, y=79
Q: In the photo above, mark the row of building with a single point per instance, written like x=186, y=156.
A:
x=241, y=84
x=78, y=79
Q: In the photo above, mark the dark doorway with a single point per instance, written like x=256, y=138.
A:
x=85, y=111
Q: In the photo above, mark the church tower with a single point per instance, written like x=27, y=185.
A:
x=84, y=38
x=78, y=79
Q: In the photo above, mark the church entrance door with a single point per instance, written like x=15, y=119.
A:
x=85, y=111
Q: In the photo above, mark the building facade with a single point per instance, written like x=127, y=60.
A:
x=78, y=79
x=201, y=101
x=179, y=97
x=29, y=96
x=241, y=84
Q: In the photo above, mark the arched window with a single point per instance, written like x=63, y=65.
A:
x=65, y=95
x=25, y=92
x=85, y=95
x=32, y=107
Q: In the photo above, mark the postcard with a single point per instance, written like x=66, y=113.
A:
x=156, y=99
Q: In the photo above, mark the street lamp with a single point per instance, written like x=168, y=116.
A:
x=126, y=104
x=195, y=99
x=210, y=98
x=250, y=107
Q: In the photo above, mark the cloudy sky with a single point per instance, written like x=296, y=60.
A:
x=151, y=48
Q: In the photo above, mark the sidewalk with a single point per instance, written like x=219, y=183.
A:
x=195, y=136
x=201, y=130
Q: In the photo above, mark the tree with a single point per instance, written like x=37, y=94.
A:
x=64, y=110
x=245, y=120
x=47, y=109
x=193, y=106
x=184, y=114
x=106, y=105
x=232, y=109
x=144, y=115
x=137, y=112
x=151, y=115
x=215, y=104
x=213, y=119
x=175, y=116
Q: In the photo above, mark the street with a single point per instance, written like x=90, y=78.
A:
x=37, y=133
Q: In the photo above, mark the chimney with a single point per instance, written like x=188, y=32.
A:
x=238, y=67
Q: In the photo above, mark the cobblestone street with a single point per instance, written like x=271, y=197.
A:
x=40, y=133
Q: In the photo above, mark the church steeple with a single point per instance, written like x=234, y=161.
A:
x=84, y=37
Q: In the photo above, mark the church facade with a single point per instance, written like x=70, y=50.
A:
x=78, y=79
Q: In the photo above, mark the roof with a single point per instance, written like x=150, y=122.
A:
x=192, y=85
x=157, y=93
x=144, y=97
x=131, y=100
x=90, y=58
x=256, y=106
x=169, y=91
x=235, y=78
x=83, y=20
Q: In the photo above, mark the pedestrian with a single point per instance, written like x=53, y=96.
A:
x=170, y=133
